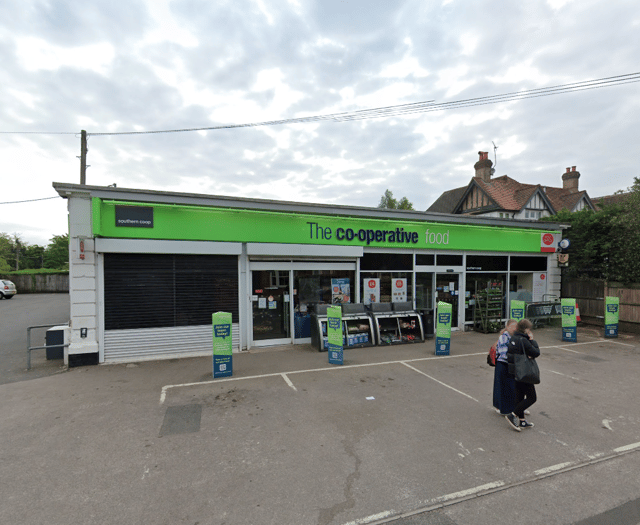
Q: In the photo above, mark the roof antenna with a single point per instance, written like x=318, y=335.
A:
x=495, y=158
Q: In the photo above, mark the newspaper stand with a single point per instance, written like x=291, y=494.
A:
x=397, y=323
x=357, y=326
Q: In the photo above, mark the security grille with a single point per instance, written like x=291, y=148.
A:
x=153, y=291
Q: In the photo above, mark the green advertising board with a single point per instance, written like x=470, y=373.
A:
x=443, y=328
x=569, y=323
x=334, y=335
x=134, y=220
x=517, y=310
x=222, y=344
x=611, y=316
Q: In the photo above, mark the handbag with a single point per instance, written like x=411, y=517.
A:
x=491, y=357
x=527, y=370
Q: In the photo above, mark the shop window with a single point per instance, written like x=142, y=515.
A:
x=532, y=263
x=425, y=259
x=448, y=260
x=387, y=287
x=486, y=263
x=314, y=287
x=387, y=261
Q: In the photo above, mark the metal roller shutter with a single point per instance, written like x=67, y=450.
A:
x=161, y=305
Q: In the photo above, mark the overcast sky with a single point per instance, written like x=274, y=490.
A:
x=154, y=65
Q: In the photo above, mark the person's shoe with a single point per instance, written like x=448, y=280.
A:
x=497, y=410
x=527, y=413
x=525, y=424
x=514, y=421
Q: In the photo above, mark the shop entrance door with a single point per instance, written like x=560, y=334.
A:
x=271, y=307
x=448, y=291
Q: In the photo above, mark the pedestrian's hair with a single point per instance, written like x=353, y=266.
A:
x=510, y=322
x=523, y=325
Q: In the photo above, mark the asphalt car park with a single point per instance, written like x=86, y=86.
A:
x=395, y=434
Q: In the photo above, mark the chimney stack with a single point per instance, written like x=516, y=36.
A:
x=570, y=180
x=483, y=166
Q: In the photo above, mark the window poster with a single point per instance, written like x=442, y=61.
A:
x=539, y=287
x=340, y=291
x=371, y=290
x=399, y=290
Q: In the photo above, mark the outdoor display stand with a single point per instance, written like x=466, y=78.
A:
x=611, y=316
x=396, y=323
x=487, y=312
x=358, y=326
x=569, y=324
x=443, y=328
x=319, y=337
x=517, y=310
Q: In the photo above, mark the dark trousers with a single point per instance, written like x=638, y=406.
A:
x=504, y=389
x=525, y=397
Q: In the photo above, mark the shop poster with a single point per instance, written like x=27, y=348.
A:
x=539, y=287
x=222, y=347
x=340, y=291
x=569, y=323
x=517, y=310
x=334, y=335
x=399, y=291
x=371, y=290
x=443, y=328
x=611, y=316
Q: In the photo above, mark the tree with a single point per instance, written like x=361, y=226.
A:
x=387, y=201
x=605, y=244
x=56, y=254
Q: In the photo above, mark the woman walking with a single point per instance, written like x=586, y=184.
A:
x=522, y=343
x=504, y=387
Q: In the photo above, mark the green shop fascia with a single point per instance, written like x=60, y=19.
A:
x=132, y=220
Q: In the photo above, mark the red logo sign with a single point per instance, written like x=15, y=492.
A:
x=399, y=284
x=543, y=276
x=372, y=284
x=547, y=238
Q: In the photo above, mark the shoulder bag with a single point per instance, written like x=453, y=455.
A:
x=527, y=370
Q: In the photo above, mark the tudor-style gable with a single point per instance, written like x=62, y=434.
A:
x=504, y=197
x=475, y=200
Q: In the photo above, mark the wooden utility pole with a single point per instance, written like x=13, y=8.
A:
x=83, y=157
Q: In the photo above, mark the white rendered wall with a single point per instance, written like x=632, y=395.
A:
x=82, y=277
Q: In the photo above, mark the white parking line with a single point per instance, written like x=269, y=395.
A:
x=284, y=376
x=627, y=447
x=560, y=374
x=373, y=517
x=437, y=381
x=469, y=492
x=165, y=389
x=552, y=468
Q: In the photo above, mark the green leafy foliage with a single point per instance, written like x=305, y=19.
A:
x=605, y=244
x=56, y=255
x=389, y=202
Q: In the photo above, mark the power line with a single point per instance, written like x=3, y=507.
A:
x=30, y=200
x=395, y=110
x=417, y=107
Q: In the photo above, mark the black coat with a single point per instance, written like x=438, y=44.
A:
x=521, y=344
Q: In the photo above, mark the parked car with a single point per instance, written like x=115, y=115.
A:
x=7, y=289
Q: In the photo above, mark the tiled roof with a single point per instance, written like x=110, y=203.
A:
x=447, y=201
x=509, y=195
x=561, y=198
x=606, y=200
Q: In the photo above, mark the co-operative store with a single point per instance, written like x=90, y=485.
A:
x=147, y=268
